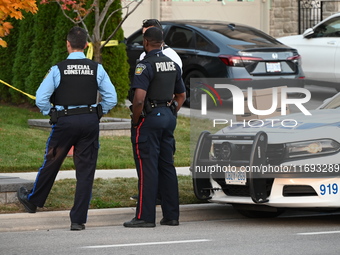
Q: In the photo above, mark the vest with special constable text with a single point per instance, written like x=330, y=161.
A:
x=78, y=83
x=162, y=86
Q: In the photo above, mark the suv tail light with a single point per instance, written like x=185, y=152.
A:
x=238, y=61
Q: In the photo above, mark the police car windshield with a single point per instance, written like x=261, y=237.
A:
x=333, y=103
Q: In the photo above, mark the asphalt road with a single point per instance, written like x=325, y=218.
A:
x=215, y=229
x=205, y=229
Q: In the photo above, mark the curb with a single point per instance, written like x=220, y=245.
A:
x=108, y=217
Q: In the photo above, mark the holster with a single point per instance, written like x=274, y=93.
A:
x=99, y=111
x=173, y=107
x=146, y=109
x=147, y=106
x=53, y=116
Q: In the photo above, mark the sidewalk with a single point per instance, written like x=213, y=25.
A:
x=45, y=220
x=107, y=217
x=107, y=173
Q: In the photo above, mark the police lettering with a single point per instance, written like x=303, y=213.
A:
x=165, y=66
x=78, y=69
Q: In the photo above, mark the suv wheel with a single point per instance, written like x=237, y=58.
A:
x=193, y=93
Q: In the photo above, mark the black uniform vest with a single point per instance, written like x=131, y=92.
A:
x=162, y=87
x=78, y=83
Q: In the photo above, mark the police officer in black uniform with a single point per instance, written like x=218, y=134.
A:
x=71, y=86
x=159, y=93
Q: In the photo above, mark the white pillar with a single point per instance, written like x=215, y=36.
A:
x=155, y=9
x=264, y=17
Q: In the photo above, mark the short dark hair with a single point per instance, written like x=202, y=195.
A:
x=152, y=23
x=77, y=37
x=154, y=35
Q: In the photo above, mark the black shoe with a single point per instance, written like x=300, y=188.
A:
x=169, y=222
x=77, y=226
x=134, y=223
x=22, y=197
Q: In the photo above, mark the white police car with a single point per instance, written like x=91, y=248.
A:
x=263, y=167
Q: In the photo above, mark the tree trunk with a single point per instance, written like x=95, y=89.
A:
x=97, y=55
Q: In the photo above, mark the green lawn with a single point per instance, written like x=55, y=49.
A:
x=107, y=193
x=22, y=148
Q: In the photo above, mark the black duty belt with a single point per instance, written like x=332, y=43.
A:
x=154, y=105
x=75, y=111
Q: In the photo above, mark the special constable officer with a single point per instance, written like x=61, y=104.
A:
x=71, y=86
x=159, y=93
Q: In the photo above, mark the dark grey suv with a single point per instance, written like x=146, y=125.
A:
x=241, y=53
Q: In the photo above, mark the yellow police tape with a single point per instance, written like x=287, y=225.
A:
x=110, y=43
x=89, y=55
x=30, y=96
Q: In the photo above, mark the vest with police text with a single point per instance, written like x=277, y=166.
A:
x=78, y=83
x=162, y=86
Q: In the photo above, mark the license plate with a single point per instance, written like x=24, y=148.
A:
x=237, y=177
x=273, y=67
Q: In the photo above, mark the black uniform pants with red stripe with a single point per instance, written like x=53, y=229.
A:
x=82, y=132
x=153, y=146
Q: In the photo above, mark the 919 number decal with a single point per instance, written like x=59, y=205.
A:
x=329, y=189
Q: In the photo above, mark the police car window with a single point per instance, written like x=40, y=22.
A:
x=332, y=103
x=178, y=37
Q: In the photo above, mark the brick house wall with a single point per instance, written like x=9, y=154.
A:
x=284, y=16
x=277, y=17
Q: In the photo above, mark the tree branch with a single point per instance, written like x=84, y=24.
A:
x=122, y=21
x=68, y=17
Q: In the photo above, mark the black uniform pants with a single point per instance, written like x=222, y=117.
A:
x=153, y=146
x=82, y=132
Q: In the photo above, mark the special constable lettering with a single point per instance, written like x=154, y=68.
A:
x=78, y=69
x=165, y=66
